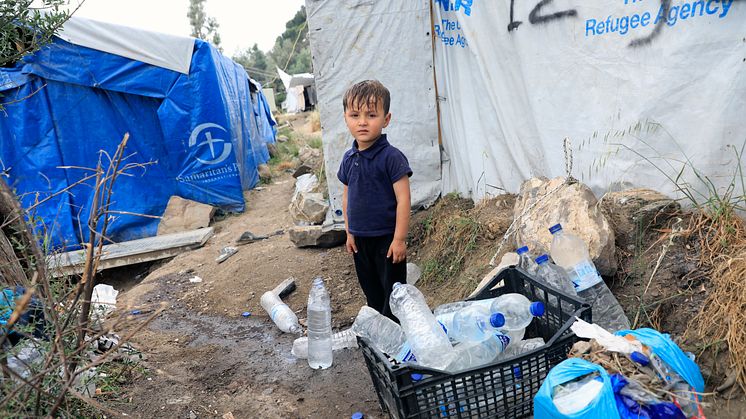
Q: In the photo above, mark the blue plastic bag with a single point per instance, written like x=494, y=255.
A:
x=603, y=406
x=629, y=408
x=662, y=345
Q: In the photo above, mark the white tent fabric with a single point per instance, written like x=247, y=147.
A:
x=390, y=41
x=510, y=97
x=163, y=50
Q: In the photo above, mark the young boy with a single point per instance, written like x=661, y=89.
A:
x=376, y=199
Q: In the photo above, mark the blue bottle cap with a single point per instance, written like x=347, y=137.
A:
x=246, y=314
x=537, y=309
x=497, y=320
x=640, y=358
x=135, y=312
x=357, y=415
x=517, y=373
x=416, y=376
x=522, y=250
x=542, y=259
x=555, y=228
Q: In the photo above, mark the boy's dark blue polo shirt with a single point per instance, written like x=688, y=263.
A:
x=370, y=176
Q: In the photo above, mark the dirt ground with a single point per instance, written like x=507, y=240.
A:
x=205, y=359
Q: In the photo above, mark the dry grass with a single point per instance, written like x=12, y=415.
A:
x=315, y=121
x=454, y=242
x=722, y=237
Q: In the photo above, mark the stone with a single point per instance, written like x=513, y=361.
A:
x=310, y=156
x=184, y=215
x=302, y=170
x=264, y=172
x=309, y=207
x=282, y=138
x=317, y=236
x=576, y=208
x=633, y=211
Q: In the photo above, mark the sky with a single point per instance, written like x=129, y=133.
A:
x=242, y=23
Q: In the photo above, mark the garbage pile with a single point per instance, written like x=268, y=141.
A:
x=631, y=374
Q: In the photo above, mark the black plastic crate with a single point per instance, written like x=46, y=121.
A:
x=504, y=389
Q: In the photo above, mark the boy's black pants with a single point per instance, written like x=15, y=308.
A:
x=377, y=273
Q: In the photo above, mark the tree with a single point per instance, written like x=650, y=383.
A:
x=203, y=27
x=256, y=64
x=292, y=51
x=24, y=29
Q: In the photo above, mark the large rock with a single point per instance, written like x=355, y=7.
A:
x=309, y=207
x=184, y=215
x=633, y=211
x=317, y=236
x=310, y=156
x=576, y=208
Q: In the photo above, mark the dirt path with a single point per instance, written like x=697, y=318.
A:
x=204, y=359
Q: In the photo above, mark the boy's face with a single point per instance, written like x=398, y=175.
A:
x=366, y=123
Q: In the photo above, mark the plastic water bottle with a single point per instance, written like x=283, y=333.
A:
x=518, y=348
x=280, y=313
x=471, y=354
x=429, y=341
x=340, y=340
x=554, y=276
x=458, y=305
x=387, y=336
x=472, y=323
x=319, y=326
x=571, y=253
x=524, y=260
x=517, y=310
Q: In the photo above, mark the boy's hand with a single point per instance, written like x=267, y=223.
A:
x=397, y=251
x=350, y=245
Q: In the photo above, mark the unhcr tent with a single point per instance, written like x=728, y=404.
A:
x=640, y=88
x=187, y=108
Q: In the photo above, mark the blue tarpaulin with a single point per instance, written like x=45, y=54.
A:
x=66, y=103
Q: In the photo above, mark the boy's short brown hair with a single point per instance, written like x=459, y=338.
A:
x=367, y=92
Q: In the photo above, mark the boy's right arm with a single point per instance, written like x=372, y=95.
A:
x=350, y=245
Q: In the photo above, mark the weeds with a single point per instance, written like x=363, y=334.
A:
x=52, y=343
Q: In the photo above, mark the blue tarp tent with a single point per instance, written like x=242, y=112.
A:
x=186, y=107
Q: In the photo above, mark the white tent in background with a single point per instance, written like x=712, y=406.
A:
x=301, y=91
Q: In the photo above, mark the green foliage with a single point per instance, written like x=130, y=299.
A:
x=203, y=26
x=24, y=29
x=291, y=52
x=315, y=142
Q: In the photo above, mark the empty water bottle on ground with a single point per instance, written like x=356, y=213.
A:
x=554, y=276
x=383, y=333
x=319, y=326
x=280, y=313
x=340, y=340
x=571, y=253
x=471, y=323
x=524, y=260
x=428, y=339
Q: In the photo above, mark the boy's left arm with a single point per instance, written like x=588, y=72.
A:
x=398, y=249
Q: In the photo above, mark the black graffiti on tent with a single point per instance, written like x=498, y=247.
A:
x=536, y=18
x=647, y=39
x=664, y=9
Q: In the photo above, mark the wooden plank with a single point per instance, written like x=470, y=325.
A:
x=284, y=288
x=131, y=252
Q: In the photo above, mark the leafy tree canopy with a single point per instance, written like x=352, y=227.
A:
x=25, y=28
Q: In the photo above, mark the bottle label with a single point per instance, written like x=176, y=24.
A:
x=274, y=311
x=503, y=339
x=584, y=275
x=405, y=354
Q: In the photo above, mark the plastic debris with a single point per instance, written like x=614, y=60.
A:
x=195, y=280
x=246, y=314
x=225, y=253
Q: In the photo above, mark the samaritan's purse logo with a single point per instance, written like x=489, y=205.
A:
x=211, y=142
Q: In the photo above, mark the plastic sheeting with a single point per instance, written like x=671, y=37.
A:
x=66, y=103
x=390, y=41
x=588, y=70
